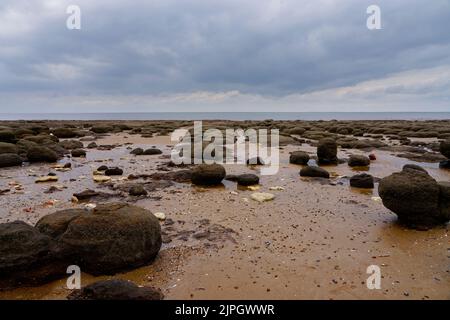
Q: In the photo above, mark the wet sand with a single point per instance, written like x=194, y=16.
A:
x=315, y=240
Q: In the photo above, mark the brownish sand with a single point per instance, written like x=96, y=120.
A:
x=313, y=241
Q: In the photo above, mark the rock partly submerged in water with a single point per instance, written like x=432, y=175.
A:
x=115, y=289
x=299, y=157
x=208, y=174
x=362, y=180
x=315, y=172
x=327, y=151
x=247, y=179
x=415, y=197
x=356, y=160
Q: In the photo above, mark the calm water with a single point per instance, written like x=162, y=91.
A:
x=230, y=116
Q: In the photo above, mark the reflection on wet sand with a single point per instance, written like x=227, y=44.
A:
x=314, y=240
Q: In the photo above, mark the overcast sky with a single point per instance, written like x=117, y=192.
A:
x=224, y=55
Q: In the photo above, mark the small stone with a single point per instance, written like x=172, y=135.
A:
x=262, y=196
x=160, y=215
x=276, y=188
x=101, y=179
x=46, y=179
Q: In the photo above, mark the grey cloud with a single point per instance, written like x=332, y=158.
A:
x=268, y=48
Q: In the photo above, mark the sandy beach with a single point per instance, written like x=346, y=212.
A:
x=314, y=240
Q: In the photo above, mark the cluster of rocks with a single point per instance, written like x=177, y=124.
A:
x=39, y=144
x=108, y=239
x=416, y=198
x=147, y=152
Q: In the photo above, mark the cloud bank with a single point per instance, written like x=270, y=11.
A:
x=200, y=55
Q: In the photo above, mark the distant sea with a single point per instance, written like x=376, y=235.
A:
x=231, y=116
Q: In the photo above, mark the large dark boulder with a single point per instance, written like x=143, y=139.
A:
x=55, y=224
x=445, y=148
x=299, y=157
x=363, y=180
x=356, y=160
x=327, y=151
x=10, y=160
x=27, y=257
x=208, y=174
x=415, y=197
x=112, y=238
x=315, y=172
x=41, y=154
x=115, y=289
